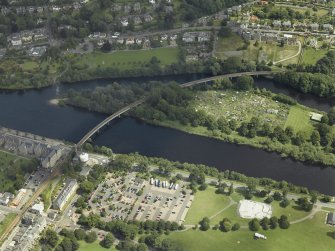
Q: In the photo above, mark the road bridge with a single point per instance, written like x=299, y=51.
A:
x=109, y=119
x=185, y=85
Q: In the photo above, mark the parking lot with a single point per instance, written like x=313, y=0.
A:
x=129, y=197
x=166, y=203
x=116, y=196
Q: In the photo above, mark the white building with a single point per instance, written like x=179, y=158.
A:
x=70, y=187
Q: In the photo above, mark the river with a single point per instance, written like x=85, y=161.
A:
x=30, y=111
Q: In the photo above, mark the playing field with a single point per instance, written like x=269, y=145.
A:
x=308, y=235
x=311, y=55
x=298, y=118
x=206, y=204
x=129, y=59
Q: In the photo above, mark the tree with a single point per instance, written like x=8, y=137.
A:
x=315, y=138
x=86, y=186
x=244, y=83
x=284, y=203
x=277, y=196
x=273, y=222
x=254, y=225
x=231, y=189
x=80, y=234
x=204, y=224
x=265, y=223
x=168, y=245
x=108, y=241
x=235, y=227
x=225, y=225
x=91, y=237
x=283, y=222
x=50, y=238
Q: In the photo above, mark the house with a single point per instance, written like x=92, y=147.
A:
x=37, y=52
x=314, y=26
x=148, y=18
x=5, y=198
x=333, y=12
x=189, y=37
x=127, y=9
x=16, y=41
x=137, y=20
x=237, y=8
x=327, y=27
x=2, y=52
x=164, y=37
x=70, y=187
x=290, y=39
x=137, y=7
x=120, y=41
x=287, y=24
x=152, y=1
x=330, y=218
x=130, y=41
x=16, y=201
x=37, y=209
x=27, y=37
x=276, y=23
x=116, y=7
x=98, y=35
x=138, y=41
x=204, y=36
x=316, y=116
x=124, y=22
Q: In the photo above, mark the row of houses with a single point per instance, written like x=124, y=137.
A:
x=69, y=189
x=202, y=36
x=269, y=37
x=47, y=154
x=22, y=10
x=25, y=234
x=137, y=19
x=312, y=26
x=26, y=37
x=127, y=8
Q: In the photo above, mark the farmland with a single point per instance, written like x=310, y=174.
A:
x=128, y=59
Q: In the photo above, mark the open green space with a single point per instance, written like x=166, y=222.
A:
x=232, y=42
x=128, y=59
x=311, y=55
x=299, y=119
x=95, y=246
x=310, y=234
x=205, y=204
x=12, y=170
x=6, y=221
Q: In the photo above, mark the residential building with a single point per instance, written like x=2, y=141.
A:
x=189, y=37
x=70, y=187
x=314, y=26
x=327, y=27
x=287, y=24
x=331, y=218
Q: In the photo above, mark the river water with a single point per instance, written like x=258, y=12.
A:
x=30, y=111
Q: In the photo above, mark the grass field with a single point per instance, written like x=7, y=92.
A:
x=8, y=219
x=129, y=59
x=298, y=118
x=95, y=246
x=10, y=161
x=230, y=43
x=308, y=235
x=311, y=55
x=271, y=52
x=206, y=203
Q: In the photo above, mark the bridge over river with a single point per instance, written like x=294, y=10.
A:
x=185, y=85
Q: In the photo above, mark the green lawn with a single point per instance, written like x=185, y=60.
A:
x=29, y=65
x=129, y=59
x=311, y=55
x=95, y=246
x=206, y=203
x=309, y=235
x=8, y=219
x=231, y=43
x=299, y=119
x=12, y=163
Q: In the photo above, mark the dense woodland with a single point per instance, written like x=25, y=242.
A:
x=108, y=99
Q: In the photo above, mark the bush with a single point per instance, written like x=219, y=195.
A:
x=91, y=237
x=235, y=227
